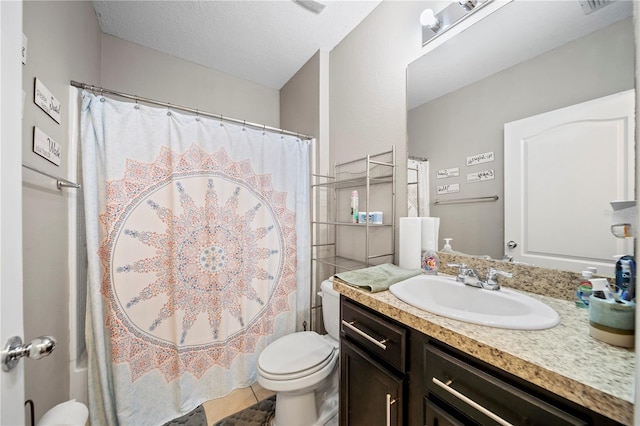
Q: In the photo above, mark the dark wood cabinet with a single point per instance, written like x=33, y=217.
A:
x=373, y=360
x=395, y=373
x=370, y=393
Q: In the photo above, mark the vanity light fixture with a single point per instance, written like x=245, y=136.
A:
x=468, y=4
x=435, y=24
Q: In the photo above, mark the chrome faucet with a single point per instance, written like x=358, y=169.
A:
x=471, y=277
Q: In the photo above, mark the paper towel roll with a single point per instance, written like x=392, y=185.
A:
x=68, y=413
x=410, y=242
x=429, y=228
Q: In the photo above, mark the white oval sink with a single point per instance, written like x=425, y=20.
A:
x=502, y=308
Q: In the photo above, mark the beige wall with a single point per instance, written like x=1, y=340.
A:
x=131, y=68
x=367, y=101
x=64, y=44
x=303, y=109
x=300, y=99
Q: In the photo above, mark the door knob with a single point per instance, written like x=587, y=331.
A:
x=512, y=244
x=36, y=349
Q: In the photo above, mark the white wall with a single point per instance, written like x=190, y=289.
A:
x=64, y=44
x=131, y=68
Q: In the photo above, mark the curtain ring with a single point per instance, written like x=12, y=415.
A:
x=264, y=128
x=221, y=118
x=168, y=109
x=135, y=98
x=244, y=123
x=197, y=115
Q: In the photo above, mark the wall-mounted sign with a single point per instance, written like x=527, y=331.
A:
x=449, y=188
x=46, y=147
x=445, y=173
x=45, y=100
x=480, y=176
x=24, y=49
x=485, y=157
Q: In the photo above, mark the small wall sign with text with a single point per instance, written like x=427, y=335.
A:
x=449, y=188
x=25, y=42
x=445, y=173
x=46, y=147
x=45, y=100
x=480, y=176
x=485, y=157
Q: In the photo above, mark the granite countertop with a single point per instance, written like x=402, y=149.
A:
x=564, y=359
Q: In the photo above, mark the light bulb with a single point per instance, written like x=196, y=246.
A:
x=467, y=4
x=429, y=19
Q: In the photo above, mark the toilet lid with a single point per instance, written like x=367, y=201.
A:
x=297, y=352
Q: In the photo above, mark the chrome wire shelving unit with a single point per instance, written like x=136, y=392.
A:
x=373, y=173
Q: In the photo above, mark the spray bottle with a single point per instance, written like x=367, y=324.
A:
x=354, y=206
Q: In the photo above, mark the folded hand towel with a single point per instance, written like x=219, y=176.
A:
x=377, y=278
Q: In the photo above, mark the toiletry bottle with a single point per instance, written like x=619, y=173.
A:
x=447, y=246
x=626, y=277
x=585, y=289
x=429, y=260
x=354, y=206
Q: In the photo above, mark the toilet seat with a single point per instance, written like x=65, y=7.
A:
x=296, y=355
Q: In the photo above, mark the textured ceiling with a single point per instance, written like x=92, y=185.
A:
x=261, y=41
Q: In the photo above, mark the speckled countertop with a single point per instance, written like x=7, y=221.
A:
x=565, y=359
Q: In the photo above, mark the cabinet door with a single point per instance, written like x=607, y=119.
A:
x=370, y=395
x=437, y=416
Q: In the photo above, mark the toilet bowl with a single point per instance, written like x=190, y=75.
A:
x=299, y=365
x=69, y=413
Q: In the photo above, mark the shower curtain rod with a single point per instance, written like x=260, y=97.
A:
x=186, y=109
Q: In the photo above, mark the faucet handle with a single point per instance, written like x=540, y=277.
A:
x=492, y=274
x=491, y=280
x=462, y=271
x=460, y=266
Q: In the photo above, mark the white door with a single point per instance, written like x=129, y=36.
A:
x=562, y=169
x=12, y=382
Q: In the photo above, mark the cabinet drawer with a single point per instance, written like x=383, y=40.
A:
x=485, y=398
x=377, y=335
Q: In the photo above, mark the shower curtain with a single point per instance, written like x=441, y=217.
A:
x=418, y=189
x=198, y=244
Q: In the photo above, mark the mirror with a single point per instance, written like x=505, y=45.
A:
x=525, y=59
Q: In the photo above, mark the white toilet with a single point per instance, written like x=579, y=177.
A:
x=302, y=368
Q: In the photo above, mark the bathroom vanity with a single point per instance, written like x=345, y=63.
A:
x=404, y=366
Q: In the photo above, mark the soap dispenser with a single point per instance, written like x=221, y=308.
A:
x=430, y=260
x=447, y=246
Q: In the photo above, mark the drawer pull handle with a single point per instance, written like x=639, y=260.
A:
x=379, y=343
x=471, y=402
x=390, y=402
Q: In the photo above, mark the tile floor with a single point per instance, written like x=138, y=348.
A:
x=239, y=399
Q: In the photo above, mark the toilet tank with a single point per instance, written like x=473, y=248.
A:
x=331, y=309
